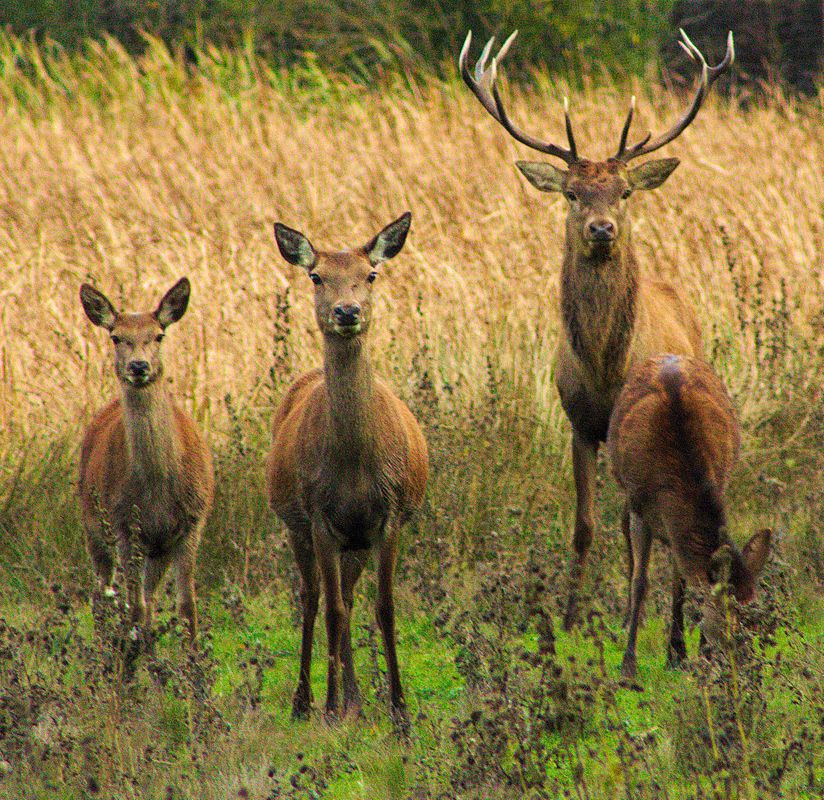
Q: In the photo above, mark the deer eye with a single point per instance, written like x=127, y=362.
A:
x=116, y=340
x=316, y=279
x=159, y=337
x=570, y=195
x=371, y=277
x=626, y=194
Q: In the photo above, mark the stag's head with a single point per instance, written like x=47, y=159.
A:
x=343, y=280
x=597, y=191
x=136, y=336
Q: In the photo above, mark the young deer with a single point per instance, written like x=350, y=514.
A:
x=612, y=318
x=348, y=464
x=673, y=441
x=145, y=471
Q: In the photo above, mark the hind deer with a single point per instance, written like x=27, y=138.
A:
x=612, y=317
x=673, y=441
x=348, y=465
x=145, y=471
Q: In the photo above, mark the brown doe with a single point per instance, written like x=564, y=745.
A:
x=145, y=471
x=612, y=317
x=673, y=441
x=348, y=464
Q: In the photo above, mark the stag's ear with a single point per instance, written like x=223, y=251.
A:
x=756, y=551
x=97, y=307
x=389, y=242
x=295, y=247
x=652, y=174
x=543, y=176
x=174, y=303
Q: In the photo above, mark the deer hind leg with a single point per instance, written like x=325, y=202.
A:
x=154, y=571
x=186, y=594
x=102, y=561
x=327, y=553
x=584, y=462
x=309, y=595
x=133, y=558
x=630, y=560
x=352, y=565
x=641, y=544
x=385, y=612
x=677, y=648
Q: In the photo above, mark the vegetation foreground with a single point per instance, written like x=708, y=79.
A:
x=132, y=174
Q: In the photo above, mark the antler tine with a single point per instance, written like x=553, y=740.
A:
x=708, y=77
x=484, y=87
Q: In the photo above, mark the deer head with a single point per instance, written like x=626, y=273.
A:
x=343, y=280
x=596, y=190
x=136, y=337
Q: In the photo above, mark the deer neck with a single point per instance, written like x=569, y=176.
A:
x=598, y=305
x=350, y=386
x=149, y=432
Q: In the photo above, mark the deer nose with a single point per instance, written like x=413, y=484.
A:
x=139, y=369
x=347, y=314
x=601, y=230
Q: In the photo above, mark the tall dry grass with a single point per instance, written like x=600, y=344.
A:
x=153, y=173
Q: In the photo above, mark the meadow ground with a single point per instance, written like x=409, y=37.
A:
x=130, y=174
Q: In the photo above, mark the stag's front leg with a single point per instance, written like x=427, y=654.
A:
x=133, y=561
x=328, y=556
x=584, y=463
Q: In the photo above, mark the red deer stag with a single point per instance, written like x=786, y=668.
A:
x=348, y=464
x=673, y=441
x=145, y=471
x=612, y=318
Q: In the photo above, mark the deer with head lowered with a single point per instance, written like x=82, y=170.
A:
x=145, y=470
x=612, y=317
x=673, y=441
x=348, y=465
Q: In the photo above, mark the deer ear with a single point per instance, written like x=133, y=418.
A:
x=174, y=303
x=756, y=551
x=652, y=174
x=389, y=242
x=97, y=307
x=295, y=247
x=543, y=176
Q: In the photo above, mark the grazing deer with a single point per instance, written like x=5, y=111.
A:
x=145, y=471
x=673, y=441
x=612, y=318
x=348, y=464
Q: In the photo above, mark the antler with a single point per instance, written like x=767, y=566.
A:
x=708, y=77
x=484, y=88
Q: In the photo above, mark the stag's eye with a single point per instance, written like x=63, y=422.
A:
x=626, y=194
x=371, y=277
x=570, y=195
x=115, y=340
x=316, y=279
x=159, y=337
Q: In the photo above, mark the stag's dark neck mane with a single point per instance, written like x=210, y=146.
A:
x=598, y=306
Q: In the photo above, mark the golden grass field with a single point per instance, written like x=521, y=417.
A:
x=134, y=192
x=132, y=173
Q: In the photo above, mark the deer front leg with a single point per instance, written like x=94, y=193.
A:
x=328, y=556
x=133, y=559
x=309, y=594
x=641, y=543
x=584, y=462
x=385, y=613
